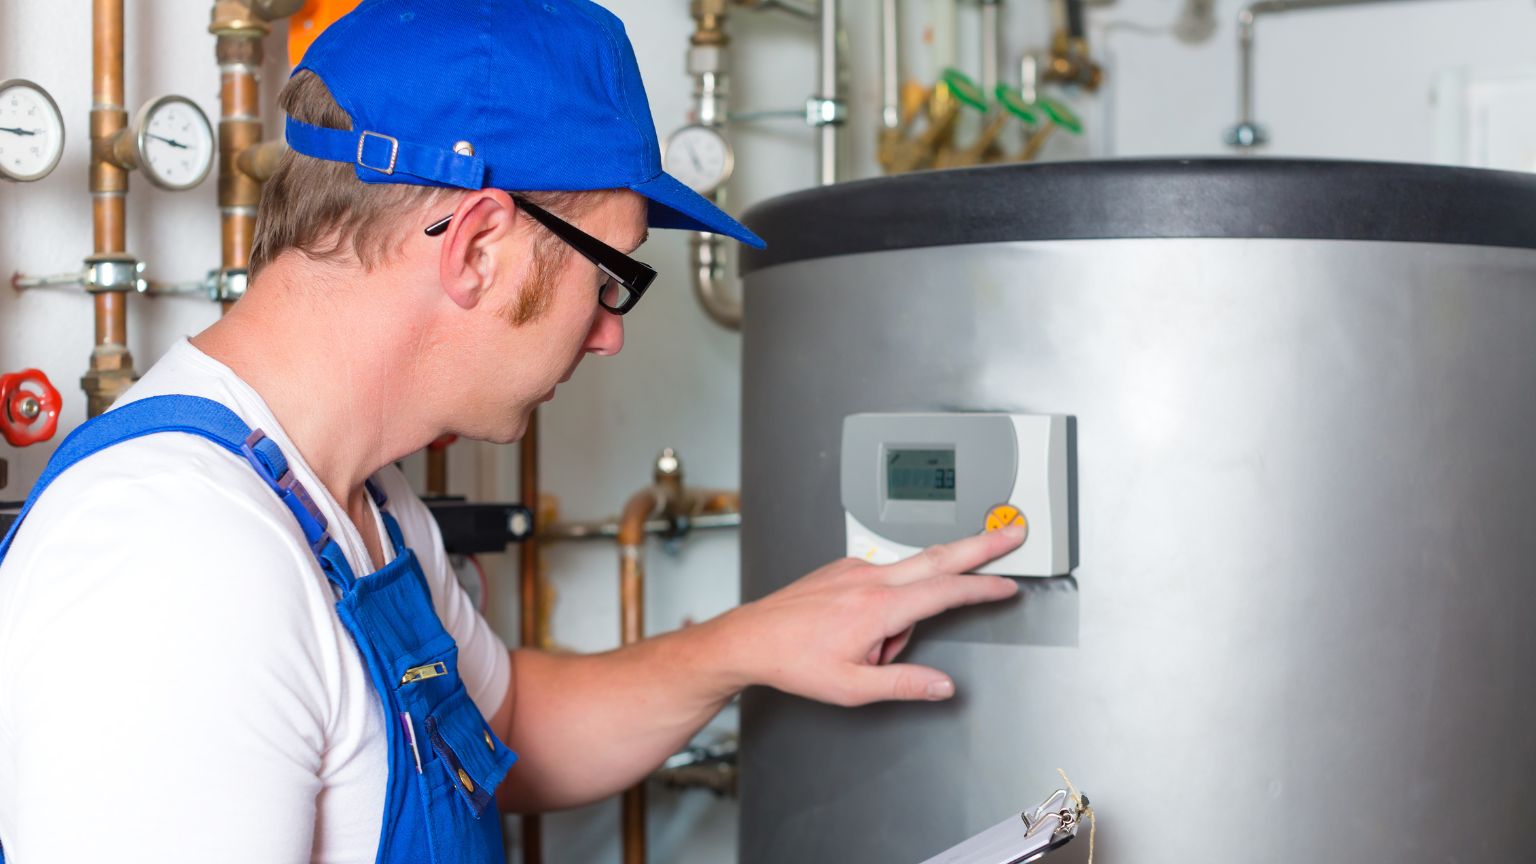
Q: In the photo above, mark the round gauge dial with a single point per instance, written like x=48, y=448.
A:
x=700, y=157
x=31, y=131
x=174, y=141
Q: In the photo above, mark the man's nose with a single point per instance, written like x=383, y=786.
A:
x=607, y=335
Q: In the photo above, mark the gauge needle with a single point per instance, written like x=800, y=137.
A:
x=693, y=157
x=177, y=144
x=15, y=131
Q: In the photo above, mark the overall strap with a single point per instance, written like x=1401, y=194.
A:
x=396, y=536
x=210, y=420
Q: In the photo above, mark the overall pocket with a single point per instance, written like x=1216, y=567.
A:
x=462, y=764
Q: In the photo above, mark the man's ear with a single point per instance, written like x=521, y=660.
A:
x=469, y=263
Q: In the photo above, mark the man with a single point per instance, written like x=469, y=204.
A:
x=217, y=642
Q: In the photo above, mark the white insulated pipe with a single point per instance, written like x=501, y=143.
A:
x=890, y=63
x=828, y=95
x=709, y=272
x=990, y=31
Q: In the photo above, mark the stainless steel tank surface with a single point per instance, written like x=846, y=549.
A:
x=1303, y=626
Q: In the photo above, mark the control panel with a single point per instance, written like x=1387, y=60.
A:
x=916, y=480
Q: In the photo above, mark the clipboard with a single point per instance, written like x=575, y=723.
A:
x=1028, y=836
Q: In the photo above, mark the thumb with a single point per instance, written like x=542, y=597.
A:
x=901, y=682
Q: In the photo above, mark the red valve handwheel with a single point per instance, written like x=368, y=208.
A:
x=442, y=442
x=28, y=392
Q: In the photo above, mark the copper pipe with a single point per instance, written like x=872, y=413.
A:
x=637, y=511
x=111, y=366
x=239, y=29
x=437, y=466
x=708, y=53
x=236, y=230
x=437, y=472
x=260, y=161
x=528, y=592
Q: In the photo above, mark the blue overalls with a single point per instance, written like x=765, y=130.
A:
x=444, y=761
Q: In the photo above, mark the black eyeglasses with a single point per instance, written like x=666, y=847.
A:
x=627, y=278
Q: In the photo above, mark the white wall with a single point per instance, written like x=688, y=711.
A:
x=1343, y=83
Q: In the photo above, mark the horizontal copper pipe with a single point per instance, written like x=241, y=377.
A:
x=258, y=162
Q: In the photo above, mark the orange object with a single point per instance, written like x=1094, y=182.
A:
x=1003, y=515
x=310, y=22
x=29, y=407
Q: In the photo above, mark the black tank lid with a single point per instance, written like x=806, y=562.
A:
x=1235, y=198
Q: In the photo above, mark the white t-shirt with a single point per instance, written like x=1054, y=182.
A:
x=175, y=684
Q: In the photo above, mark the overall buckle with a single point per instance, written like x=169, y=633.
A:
x=394, y=151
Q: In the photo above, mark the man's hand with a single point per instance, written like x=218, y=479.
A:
x=600, y=723
x=832, y=635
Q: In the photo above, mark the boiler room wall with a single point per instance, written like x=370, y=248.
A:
x=1342, y=83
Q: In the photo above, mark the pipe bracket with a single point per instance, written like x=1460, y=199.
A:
x=821, y=111
x=109, y=273
x=228, y=285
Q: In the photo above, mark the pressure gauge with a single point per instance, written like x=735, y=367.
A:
x=31, y=131
x=700, y=157
x=174, y=142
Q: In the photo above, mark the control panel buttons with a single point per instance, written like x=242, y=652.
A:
x=1003, y=515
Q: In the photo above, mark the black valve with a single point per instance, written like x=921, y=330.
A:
x=475, y=528
x=467, y=529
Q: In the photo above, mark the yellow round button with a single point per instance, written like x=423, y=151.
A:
x=488, y=742
x=1003, y=515
x=468, y=784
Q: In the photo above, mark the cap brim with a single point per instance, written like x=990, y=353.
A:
x=674, y=205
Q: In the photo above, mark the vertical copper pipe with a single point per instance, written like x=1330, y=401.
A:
x=111, y=366
x=239, y=52
x=637, y=511
x=528, y=590
x=437, y=471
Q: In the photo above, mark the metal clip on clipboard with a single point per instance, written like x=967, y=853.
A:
x=1022, y=838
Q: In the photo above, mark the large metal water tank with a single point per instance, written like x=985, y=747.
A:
x=1303, y=627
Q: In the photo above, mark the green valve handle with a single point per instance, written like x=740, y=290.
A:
x=1061, y=115
x=965, y=89
x=1013, y=101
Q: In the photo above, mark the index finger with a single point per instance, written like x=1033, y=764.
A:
x=960, y=556
x=926, y=598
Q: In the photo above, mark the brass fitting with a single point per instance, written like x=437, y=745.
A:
x=1069, y=63
x=111, y=374
x=112, y=150
x=237, y=18
x=709, y=22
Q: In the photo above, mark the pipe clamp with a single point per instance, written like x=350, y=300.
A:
x=228, y=285
x=821, y=111
x=107, y=273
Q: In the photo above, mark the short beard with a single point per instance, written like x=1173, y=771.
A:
x=538, y=290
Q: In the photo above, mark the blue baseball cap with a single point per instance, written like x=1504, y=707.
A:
x=521, y=95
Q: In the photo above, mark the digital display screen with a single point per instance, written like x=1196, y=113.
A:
x=920, y=475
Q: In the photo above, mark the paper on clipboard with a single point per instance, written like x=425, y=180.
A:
x=1022, y=838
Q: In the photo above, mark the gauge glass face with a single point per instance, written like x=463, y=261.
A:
x=700, y=157
x=176, y=143
x=31, y=132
